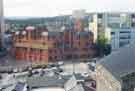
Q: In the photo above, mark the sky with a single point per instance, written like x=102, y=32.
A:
x=45, y=8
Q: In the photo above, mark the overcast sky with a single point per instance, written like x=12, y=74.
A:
x=59, y=7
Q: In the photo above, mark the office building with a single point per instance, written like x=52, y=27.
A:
x=122, y=37
x=113, y=26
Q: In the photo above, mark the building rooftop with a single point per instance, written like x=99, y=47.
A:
x=54, y=81
x=121, y=62
x=67, y=82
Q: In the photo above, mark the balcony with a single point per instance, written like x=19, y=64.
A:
x=39, y=46
x=31, y=45
x=22, y=44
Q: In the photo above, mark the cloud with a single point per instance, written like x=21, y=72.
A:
x=56, y=7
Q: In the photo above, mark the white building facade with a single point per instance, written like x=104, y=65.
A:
x=122, y=37
x=118, y=28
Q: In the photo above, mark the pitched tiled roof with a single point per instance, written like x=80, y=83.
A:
x=121, y=62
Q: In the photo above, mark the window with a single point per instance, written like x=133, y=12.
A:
x=55, y=45
x=78, y=37
x=50, y=58
x=69, y=56
x=44, y=43
x=133, y=24
x=89, y=55
x=124, y=37
x=50, y=51
x=133, y=15
x=79, y=43
x=123, y=43
x=125, y=32
x=112, y=33
x=86, y=36
x=55, y=57
x=75, y=56
x=100, y=25
x=55, y=51
x=100, y=15
x=48, y=38
x=91, y=19
x=60, y=45
x=114, y=25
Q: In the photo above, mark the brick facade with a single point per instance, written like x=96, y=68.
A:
x=40, y=45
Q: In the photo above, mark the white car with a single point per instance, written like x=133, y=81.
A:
x=93, y=64
x=15, y=70
x=60, y=63
x=1, y=89
x=85, y=74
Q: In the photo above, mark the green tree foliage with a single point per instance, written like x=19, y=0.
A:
x=103, y=47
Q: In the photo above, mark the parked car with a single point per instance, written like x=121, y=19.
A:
x=15, y=70
x=3, y=52
x=20, y=86
x=85, y=74
x=1, y=89
x=60, y=63
x=42, y=73
x=60, y=70
x=35, y=72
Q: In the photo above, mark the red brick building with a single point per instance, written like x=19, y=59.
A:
x=39, y=45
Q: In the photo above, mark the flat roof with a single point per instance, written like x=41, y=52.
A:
x=46, y=81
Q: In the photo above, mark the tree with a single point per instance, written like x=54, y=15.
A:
x=103, y=47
